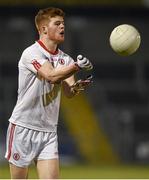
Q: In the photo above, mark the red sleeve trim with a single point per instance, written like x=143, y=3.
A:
x=36, y=64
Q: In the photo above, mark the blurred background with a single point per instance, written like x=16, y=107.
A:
x=109, y=123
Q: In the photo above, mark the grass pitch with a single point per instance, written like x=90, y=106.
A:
x=91, y=172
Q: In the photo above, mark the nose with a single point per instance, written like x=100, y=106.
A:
x=62, y=25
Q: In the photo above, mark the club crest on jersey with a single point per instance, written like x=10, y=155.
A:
x=16, y=156
x=61, y=61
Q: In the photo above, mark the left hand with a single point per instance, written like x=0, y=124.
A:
x=81, y=84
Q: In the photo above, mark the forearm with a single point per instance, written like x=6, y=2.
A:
x=56, y=75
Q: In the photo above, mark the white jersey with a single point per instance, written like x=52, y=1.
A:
x=38, y=100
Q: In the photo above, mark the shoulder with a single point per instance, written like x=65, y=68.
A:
x=30, y=50
x=31, y=53
x=66, y=56
x=62, y=53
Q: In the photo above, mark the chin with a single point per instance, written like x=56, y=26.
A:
x=60, y=41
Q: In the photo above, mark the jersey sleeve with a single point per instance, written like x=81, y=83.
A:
x=33, y=61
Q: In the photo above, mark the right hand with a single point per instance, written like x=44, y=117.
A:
x=81, y=84
x=84, y=63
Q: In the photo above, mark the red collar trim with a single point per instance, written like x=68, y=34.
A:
x=44, y=47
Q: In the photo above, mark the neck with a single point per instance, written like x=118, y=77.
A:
x=50, y=45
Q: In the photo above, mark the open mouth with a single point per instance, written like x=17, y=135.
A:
x=62, y=33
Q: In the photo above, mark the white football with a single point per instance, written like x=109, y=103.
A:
x=125, y=39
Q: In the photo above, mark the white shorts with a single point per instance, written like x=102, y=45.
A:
x=25, y=145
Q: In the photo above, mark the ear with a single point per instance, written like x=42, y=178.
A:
x=44, y=29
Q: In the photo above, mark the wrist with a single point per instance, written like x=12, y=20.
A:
x=77, y=66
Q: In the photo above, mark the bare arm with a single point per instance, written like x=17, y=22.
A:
x=67, y=86
x=56, y=75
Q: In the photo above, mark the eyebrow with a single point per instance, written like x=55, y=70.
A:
x=59, y=22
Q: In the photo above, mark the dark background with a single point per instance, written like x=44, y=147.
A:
x=119, y=96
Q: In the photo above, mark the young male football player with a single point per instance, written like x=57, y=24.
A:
x=43, y=70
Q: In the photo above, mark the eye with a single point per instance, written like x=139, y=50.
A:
x=57, y=23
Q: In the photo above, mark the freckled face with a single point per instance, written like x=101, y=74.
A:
x=55, y=29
